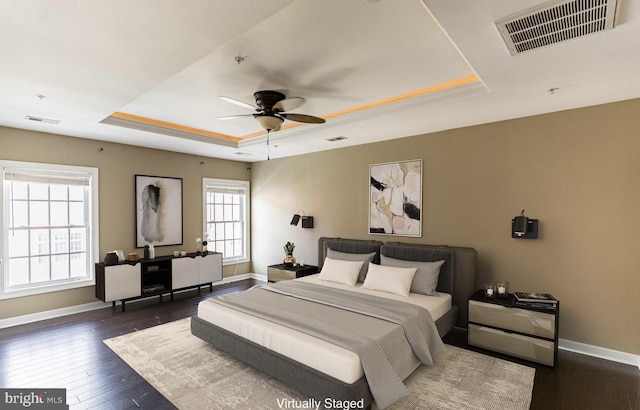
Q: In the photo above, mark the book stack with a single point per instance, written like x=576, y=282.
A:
x=542, y=301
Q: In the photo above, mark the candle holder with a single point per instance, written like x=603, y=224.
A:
x=502, y=288
x=489, y=290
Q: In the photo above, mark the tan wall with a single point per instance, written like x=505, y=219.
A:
x=576, y=171
x=117, y=165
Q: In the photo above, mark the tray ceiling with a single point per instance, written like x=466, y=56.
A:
x=150, y=74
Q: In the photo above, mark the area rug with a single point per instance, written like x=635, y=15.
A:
x=193, y=375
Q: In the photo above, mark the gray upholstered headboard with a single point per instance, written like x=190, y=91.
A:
x=347, y=246
x=457, y=275
x=463, y=270
x=411, y=252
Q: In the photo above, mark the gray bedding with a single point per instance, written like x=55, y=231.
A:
x=391, y=338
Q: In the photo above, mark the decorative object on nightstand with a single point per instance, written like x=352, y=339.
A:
x=502, y=287
x=288, y=251
x=528, y=331
x=542, y=301
x=489, y=290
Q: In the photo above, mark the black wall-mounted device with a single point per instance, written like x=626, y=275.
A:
x=307, y=221
x=523, y=227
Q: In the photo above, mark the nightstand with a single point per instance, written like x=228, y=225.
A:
x=528, y=333
x=285, y=272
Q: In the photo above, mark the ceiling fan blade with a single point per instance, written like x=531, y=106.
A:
x=288, y=104
x=231, y=117
x=237, y=102
x=302, y=118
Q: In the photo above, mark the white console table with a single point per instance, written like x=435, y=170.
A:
x=163, y=275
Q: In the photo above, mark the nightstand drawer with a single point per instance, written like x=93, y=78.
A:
x=276, y=275
x=529, y=348
x=280, y=272
x=519, y=320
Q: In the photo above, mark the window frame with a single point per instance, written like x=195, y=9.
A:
x=231, y=183
x=93, y=234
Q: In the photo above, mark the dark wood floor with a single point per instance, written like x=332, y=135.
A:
x=577, y=382
x=68, y=353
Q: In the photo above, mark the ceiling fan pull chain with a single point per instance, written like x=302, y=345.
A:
x=268, y=155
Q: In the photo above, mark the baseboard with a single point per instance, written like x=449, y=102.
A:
x=601, y=352
x=243, y=276
x=234, y=278
x=51, y=314
x=259, y=277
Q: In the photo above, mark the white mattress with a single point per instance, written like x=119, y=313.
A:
x=321, y=355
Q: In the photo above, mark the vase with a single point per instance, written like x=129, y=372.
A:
x=111, y=259
x=289, y=260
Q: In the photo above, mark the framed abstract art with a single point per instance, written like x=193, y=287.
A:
x=395, y=198
x=158, y=210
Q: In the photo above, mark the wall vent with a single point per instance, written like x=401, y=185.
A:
x=554, y=22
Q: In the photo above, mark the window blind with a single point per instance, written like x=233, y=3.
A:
x=47, y=177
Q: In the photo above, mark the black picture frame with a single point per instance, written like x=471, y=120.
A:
x=159, y=211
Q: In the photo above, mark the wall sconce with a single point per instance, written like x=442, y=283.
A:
x=307, y=221
x=523, y=227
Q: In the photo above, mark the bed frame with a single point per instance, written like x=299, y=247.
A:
x=457, y=277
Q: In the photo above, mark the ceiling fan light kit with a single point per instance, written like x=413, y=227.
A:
x=269, y=122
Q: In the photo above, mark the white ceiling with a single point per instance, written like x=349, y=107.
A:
x=376, y=70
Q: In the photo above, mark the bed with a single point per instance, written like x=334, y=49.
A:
x=333, y=371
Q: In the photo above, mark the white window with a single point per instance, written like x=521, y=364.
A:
x=226, y=218
x=49, y=230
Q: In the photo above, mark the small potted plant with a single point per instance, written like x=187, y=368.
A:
x=288, y=251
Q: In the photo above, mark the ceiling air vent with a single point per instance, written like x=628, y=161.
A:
x=554, y=22
x=335, y=139
x=40, y=119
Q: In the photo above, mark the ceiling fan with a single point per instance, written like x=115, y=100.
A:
x=272, y=109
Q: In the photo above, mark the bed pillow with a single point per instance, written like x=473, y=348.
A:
x=344, y=256
x=389, y=279
x=335, y=270
x=425, y=280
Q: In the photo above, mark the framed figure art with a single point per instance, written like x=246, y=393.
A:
x=158, y=211
x=395, y=198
